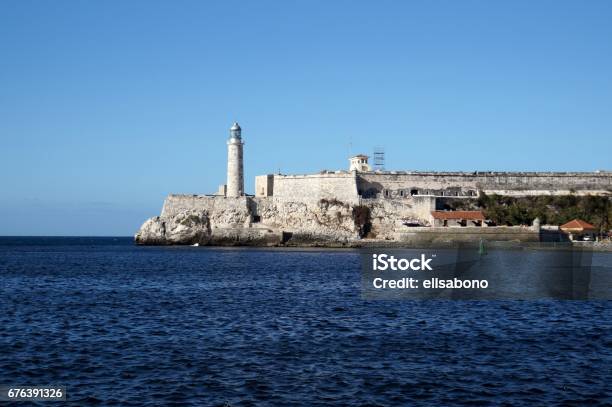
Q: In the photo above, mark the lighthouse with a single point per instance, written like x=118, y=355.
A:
x=235, y=170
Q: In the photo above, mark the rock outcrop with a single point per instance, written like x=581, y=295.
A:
x=191, y=219
x=315, y=221
x=250, y=221
x=187, y=227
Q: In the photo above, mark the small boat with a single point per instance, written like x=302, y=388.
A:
x=195, y=244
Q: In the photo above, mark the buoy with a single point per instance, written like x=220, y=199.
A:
x=482, y=250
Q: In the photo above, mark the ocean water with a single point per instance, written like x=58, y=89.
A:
x=123, y=325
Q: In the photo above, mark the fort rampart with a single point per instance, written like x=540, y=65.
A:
x=341, y=186
x=350, y=186
x=399, y=184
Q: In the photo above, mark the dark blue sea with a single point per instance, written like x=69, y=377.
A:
x=118, y=324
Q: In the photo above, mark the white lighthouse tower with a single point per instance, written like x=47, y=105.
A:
x=235, y=170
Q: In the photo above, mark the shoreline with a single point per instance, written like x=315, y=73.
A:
x=387, y=244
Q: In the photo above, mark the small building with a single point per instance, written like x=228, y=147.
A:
x=578, y=229
x=359, y=163
x=457, y=218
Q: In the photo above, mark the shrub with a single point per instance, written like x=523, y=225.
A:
x=554, y=210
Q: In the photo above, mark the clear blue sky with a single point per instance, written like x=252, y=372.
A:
x=107, y=106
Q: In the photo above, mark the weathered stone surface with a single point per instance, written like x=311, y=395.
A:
x=189, y=219
x=350, y=186
x=399, y=184
x=188, y=227
x=468, y=234
x=331, y=220
x=387, y=216
x=245, y=237
x=341, y=186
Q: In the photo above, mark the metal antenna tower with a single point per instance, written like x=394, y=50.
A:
x=379, y=158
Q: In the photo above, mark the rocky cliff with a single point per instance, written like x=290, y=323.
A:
x=188, y=227
x=213, y=220
x=191, y=219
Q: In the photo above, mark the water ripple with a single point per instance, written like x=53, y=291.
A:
x=123, y=325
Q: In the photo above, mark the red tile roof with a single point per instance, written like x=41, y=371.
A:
x=467, y=215
x=577, y=224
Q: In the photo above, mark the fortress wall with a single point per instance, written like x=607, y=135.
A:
x=552, y=183
x=221, y=210
x=388, y=215
x=468, y=234
x=176, y=203
x=404, y=184
x=342, y=187
x=466, y=184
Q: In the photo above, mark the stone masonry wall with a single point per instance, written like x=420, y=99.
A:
x=388, y=215
x=401, y=184
x=223, y=212
x=342, y=186
x=468, y=234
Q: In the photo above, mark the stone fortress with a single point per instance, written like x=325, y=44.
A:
x=349, y=207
